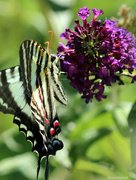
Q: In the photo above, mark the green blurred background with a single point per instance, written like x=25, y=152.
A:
x=95, y=135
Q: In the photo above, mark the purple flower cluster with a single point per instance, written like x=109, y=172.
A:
x=96, y=54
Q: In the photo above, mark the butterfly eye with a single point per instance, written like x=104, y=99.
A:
x=53, y=58
x=58, y=63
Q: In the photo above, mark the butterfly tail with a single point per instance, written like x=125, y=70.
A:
x=38, y=166
x=47, y=168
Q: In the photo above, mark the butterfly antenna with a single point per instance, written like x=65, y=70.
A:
x=49, y=43
x=38, y=166
x=47, y=167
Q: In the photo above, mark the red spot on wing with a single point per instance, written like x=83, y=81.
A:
x=52, y=131
x=46, y=120
x=56, y=123
x=40, y=91
x=41, y=98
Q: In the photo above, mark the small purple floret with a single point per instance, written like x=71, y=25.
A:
x=97, y=13
x=84, y=13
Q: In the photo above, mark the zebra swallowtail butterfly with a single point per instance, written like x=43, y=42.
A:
x=28, y=91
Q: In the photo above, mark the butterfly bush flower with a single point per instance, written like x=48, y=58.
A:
x=97, y=54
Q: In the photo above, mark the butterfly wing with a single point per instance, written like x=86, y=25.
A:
x=40, y=81
x=58, y=89
x=10, y=97
x=34, y=60
x=13, y=101
x=28, y=92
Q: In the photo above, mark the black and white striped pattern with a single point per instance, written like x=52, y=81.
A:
x=29, y=91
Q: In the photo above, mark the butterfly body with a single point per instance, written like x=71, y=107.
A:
x=29, y=92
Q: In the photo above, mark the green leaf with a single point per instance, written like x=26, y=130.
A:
x=81, y=145
x=120, y=119
x=132, y=127
x=20, y=164
x=97, y=168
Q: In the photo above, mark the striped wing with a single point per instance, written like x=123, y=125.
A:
x=28, y=91
x=42, y=85
x=35, y=62
x=9, y=96
x=13, y=101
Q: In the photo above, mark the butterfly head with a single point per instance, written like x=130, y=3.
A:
x=55, y=60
